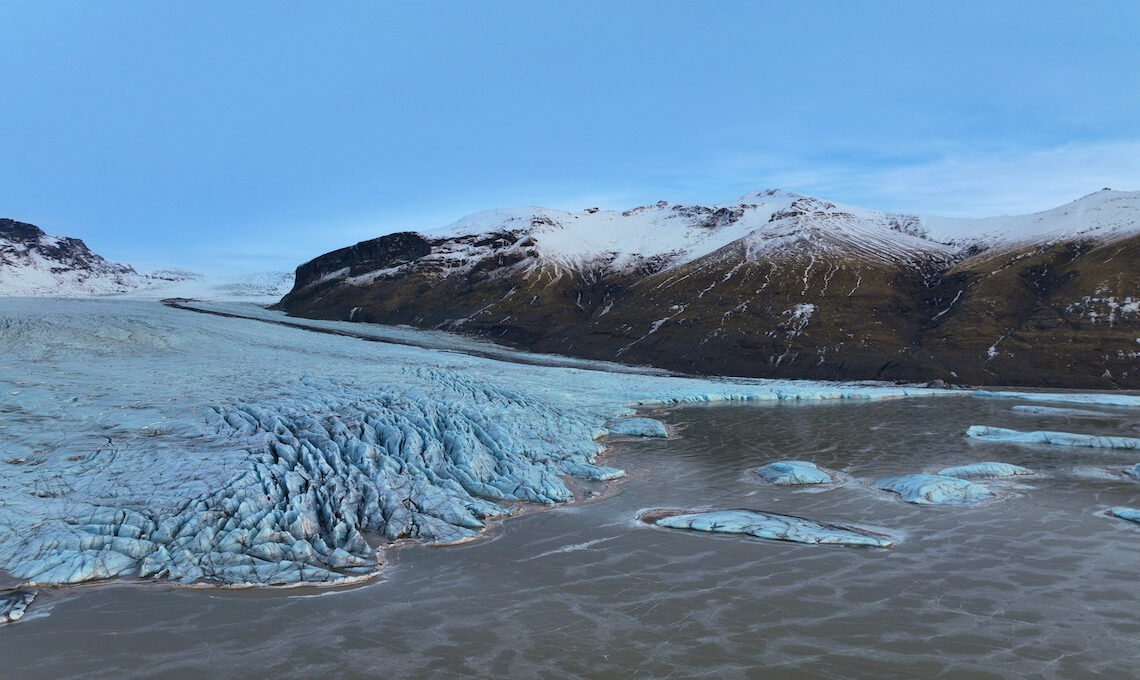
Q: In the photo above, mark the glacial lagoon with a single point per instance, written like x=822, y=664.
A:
x=1036, y=583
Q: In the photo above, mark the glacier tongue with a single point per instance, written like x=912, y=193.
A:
x=333, y=465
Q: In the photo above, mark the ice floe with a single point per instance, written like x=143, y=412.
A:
x=987, y=470
x=934, y=489
x=639, y=427
x=14, y=603
x=1134, y=471
x=1130, y=514
x=1098, y=398
x=1055, y=411
x=1000, y=434
x=792, y=473
x=773, y=526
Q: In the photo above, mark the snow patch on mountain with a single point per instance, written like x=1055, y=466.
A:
x=764, y=223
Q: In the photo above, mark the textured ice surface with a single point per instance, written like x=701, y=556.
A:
x=639, y=427
x=140, y=441
x=1055, y=411
x=1134, y=471
x=934, y=489
x=1000, y=434
x=792, y=472
x=1130, y=514
x=987, y=470
x=773, y=526
x=14, y=602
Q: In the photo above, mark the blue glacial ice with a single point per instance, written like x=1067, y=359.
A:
x=1000, y=434
x=1134, y=471
x=1130, y=514
x=14, y=603
x=934, y=489
x=1055, y=411
x=988, y=470
x=145, y=442
x=773, y=526
x=639, y=427
x=792, y=472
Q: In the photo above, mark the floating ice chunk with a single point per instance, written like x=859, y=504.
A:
x=1054, y=411
x=792, y=472
x=1134, y=471
x=987, y=470
x=1000, y=434
x=639, y=427
x=1130, y=514
x=13, y=604
x=773, y=526
x=934, y=489
x=1102, y=399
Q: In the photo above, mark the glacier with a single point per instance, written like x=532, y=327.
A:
x=148, y=442
x=1001, y=434
x=774, y=527
x=987, y=470
x=145, y=442
x=792, y=472
x=934, y=489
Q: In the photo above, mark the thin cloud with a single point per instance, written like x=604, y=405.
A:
x=950, y=184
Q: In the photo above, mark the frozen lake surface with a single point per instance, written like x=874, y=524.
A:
x=1036, y=582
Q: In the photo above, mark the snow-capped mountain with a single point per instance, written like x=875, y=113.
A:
x=772, y=284
x=33, y=263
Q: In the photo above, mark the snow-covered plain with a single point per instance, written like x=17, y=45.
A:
x=142, y=441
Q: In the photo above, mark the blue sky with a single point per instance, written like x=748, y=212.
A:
x=257, y=135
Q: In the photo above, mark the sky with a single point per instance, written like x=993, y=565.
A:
x=257, y=135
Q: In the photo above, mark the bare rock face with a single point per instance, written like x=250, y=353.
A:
x=772, y=285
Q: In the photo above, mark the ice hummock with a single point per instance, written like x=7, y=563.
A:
x=773, y=526
x=987, y=470
x=934, y=489
x=1001, y=434
x=792, y=473
x=639, y=427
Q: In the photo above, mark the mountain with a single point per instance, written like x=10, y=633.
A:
x=774, y=284
x=33, y=263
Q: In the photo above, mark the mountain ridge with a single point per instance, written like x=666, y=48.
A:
x=775, y=284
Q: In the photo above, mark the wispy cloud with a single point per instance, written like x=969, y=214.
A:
x=950, y=183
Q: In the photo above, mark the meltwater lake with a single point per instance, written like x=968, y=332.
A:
x=1036, y=582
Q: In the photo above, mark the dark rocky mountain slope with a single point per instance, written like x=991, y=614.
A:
x=772, y=285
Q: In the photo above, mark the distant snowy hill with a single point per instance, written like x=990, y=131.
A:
x=771, y=284
x=33, y=263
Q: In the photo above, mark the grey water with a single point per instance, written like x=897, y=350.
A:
x=1037, y=583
